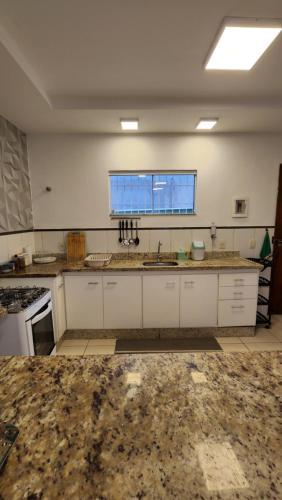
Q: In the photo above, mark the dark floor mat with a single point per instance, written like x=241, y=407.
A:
x=167, y=345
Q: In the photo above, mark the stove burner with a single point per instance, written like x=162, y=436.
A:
x=19, y=298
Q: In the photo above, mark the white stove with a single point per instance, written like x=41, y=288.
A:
x=28, y=328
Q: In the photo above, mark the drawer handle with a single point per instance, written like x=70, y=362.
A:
x=189, y=282
x=93, y=282
x=238, y=307
x=238, y=293
x=239, y=279
x=111, y=283
x=170, y=283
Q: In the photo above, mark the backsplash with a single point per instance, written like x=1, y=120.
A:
x=11, y=244
x=15, y=194
x=107, y=241
x=231, y=239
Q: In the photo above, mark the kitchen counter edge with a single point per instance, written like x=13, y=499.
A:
x=55, y=269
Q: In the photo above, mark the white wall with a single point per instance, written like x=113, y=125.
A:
x=76, y=167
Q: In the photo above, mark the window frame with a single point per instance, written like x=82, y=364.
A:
x=151, y=172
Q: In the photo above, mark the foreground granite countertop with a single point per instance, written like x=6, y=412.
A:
x=131, y=264
x=143, y=427
x=3, y=312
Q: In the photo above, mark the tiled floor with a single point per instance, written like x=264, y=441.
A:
x=264, y=340
x=83, y=347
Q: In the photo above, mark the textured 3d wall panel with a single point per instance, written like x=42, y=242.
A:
x=15, y=195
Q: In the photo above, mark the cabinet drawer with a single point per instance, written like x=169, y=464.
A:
x=237, y=293
x=237, y=312
x=238, y=279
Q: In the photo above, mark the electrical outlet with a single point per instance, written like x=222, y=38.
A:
x=252, y=244
x=221, y=245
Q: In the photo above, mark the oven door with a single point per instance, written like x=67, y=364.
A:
x=40, y=332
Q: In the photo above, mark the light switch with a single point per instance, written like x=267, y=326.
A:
x=252, y=244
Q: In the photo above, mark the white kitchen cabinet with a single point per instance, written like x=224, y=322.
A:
x=84, y=301
x=149, y=299
x=237, y=312
x=198, y=300
x=161, y=301
x=237, y=304
x=122, y=301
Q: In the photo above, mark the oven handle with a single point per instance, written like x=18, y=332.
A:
x=42, y=315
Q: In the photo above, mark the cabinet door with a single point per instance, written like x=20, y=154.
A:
x=198, y=300
x=122, y=302
x=161, y=301
x=84, y=301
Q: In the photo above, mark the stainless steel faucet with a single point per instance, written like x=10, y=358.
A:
x=159, y=252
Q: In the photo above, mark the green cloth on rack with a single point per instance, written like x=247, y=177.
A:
x=266, y=246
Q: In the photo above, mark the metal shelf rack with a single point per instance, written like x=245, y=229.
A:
x=263, y=312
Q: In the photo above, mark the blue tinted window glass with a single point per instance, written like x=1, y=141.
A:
x=152, y=193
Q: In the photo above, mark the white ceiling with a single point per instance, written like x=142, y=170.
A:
x=80, y=65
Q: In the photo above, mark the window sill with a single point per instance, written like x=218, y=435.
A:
x=139, y=216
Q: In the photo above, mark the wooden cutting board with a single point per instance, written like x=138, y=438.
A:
x=75, y=247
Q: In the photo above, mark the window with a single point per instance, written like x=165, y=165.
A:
x=160, y=193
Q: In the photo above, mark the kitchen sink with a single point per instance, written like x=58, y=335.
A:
x=161, y=263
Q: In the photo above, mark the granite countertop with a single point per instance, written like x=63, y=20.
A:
x=162, y=426
x=37, y=271
x=133, y=264
x=3, y=311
